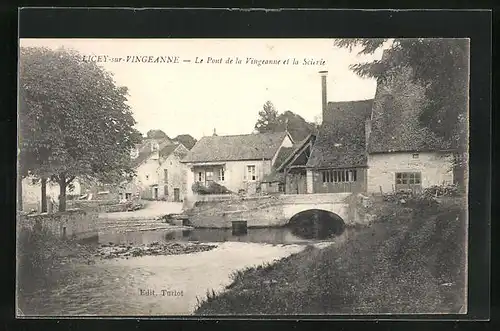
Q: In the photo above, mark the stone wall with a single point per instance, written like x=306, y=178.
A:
x=76, y=223
x=435, y=169
x=272, y=211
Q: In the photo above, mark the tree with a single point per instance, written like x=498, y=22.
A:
x=441, y=66
x=156, y=134
x=268, y=118
x=296, y=125
x=187, y=140
x=75, y=123
x=271, y=121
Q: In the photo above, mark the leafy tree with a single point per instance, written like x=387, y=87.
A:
x=268, y=118
x=75, y=121
x=271, y=121
x=296, y=125
x=187, y=140
x=156, y=134
x=441, y=66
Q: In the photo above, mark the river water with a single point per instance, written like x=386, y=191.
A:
x=160, y=285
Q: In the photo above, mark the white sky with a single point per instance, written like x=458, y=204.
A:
x=196, y=98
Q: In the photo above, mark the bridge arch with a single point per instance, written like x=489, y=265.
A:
x=316, y=224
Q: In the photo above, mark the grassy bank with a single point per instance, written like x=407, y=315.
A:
x=410, y=261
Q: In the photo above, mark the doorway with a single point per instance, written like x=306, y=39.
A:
x=176, y=195
x=155, y=193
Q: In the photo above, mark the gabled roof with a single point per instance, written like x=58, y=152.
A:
x=341, y=139
x=239, y=147
x=298, y=149
x=144, y=149
x=285, y=155
x=174, y=147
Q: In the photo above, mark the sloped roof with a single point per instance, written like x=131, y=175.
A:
x=283, y=154
x=174, y=147
x=233, y=148
x=396, y=126
x=341, y=139
x=338, y=110
x=144, y=149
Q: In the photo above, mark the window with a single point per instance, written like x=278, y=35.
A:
x=209, y=175
x=221, y=174
x=128, y=196
x=200, y=176
x=165, y=175
x=408, y=178
x=339, y=176
x=251, y=175
x=155, y=146
x=147, y=176
x=415, y=156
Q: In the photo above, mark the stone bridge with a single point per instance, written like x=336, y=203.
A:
x=267, y=211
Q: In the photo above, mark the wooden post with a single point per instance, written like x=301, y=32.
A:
x=43, y=192
x=286, y=184
x=381, y=192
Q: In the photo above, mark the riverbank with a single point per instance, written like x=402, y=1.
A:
x=123, y=287
x=40, y=254
x=411, y=260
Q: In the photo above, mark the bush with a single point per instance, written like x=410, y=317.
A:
x=411, y=199
x=450, y=190
x=213, y=188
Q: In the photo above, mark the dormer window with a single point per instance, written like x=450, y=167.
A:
x=154, y=146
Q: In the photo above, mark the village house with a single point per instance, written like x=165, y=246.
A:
x=368, y=146
x=238, y=162
x=159, y=174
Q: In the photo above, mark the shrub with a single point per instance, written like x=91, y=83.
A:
x=411, y=199
x=450, y=190
x=213, y=188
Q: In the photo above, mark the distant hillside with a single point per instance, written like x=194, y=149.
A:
x=186, y=139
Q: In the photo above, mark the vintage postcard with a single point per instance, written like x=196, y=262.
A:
x=209, y=177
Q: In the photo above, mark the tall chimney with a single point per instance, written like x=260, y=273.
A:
x=323, y=94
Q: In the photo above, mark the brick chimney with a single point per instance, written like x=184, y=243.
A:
x=324, y=99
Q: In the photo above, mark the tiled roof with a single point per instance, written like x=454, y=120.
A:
x=283, y=154
x=144, y=149
x=341, y=138
x=233, y=148
x=395, y=119
x=169, y=149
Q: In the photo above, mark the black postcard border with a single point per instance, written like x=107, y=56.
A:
x=316, y=23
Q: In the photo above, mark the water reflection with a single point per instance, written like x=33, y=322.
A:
x=285, y=235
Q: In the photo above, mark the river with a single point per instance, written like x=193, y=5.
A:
x=160, y=285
